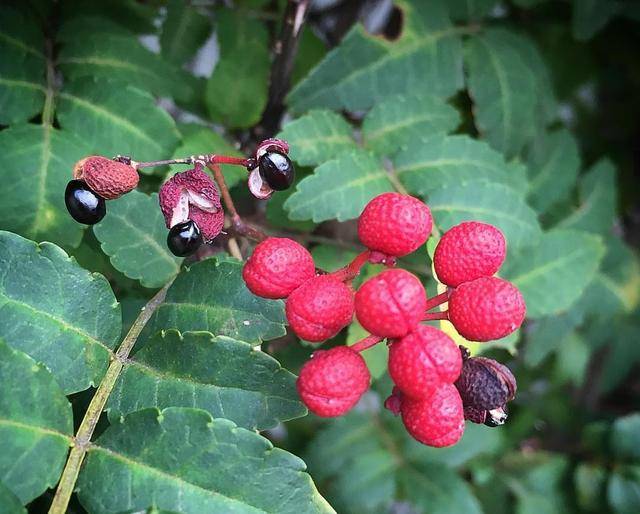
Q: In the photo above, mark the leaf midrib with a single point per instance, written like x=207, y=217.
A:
x=525, y=277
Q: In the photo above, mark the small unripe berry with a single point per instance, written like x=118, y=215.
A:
x=108, y=178
x=394, y=224
x=277, y=266
x=437, y=421
x=487, y=308
x=319, y=308
x=391, y=304
x=469, y=251
x=422, y=360
x=333, y=381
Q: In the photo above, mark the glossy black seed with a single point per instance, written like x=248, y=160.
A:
x=84, y=205
x=184, y=238
x=276, y=170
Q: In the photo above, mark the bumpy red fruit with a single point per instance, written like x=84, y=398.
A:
x=487, y=308
x=107, y=178
x=277, y=267
x=394, y=224
x=319, y=308
x=469, y=251
x=391, y=304
x=333, y=381
x=421, y=361
x=437, y=421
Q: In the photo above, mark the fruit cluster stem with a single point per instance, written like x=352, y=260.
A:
x=437, y=300
x=432, y=316
x=351, y=270
x=366, y=343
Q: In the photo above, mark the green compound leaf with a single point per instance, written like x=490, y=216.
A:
x=364, y=68
x=623, y=490
x=402, y=119
x=9, y=502
x=37, y=166
x=134, y=236
x=624, y=437
x=211, y=296
x=553, y=166
x=598, y=199
x=317, y=137
x=228, y=378
x=339, y=189
x=244, y=62
x=22, y=67
x=183, y=460
x=554, y=273
x=183, y=32
x=57, y=312
x=503, y=90
x=488, y=202
x=470, y=10
x=36, y=426
x=429, y=164
x=114, y=118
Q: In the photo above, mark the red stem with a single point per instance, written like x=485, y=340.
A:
x=224, y=159
x=351, y=270
x=366, y=343
x=431, y=316
x=437, y=300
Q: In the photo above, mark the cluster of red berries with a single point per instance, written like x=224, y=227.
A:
x=437, y=385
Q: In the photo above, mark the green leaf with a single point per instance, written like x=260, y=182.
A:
x=590, y=16
x=184, y=31
x=572, y=358
x=554, y=273
x=114, y=118
x=625, y=437
x=228, y=378
x=58, y=313
x=623, y=490
x=199, y=139
x=22, y=67
x=429, y=164
x=38, y=160
x=589, y=481
x=9, y=502
x=553, y=165
x=317, y=137
x=503, y=90
x=36, y=426
x=598, y=198
x=545, y=335
x=134, y=236
x=401, y=119
x=488, y=202
x=339, y=189
x=244, y=62
x=311, y=50
x=470, y=10
x=211, y=296
x=181, y=459
x=366, y=68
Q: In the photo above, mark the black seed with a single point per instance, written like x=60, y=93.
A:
x=84, y=205
x=184, y=238
x=276, y=170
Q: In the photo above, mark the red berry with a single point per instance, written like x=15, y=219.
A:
x=468, y=251
x=437, y=421
x=421, y=361
x=107, y=178
x=394, y=224
x=391, y=304
x=277, y=267
x=487, y=308
x=333, y=381
x=319, y=308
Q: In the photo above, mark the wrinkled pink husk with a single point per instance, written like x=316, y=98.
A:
x=258, y=187
x=271, y=145
x=192, y=194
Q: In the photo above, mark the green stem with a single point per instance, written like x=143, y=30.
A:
x=82, y=440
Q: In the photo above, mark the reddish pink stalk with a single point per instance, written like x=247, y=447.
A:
x=351, y=270
x=437, y=300
x=224, y=159
x=431, y=316
x=366, y=343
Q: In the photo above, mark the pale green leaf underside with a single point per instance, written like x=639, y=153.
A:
x=37, y=165
x=363, y=69
x=113, y=118
x=211, y=296
x=503, y=90
x=225, y=377
x=134, y=236
x=317, y=137
x=35, y=427
x=554, y=273
x=183, y=460
x=57, y=312
x=488, y=202
x=401, y=119
x=339, y=189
